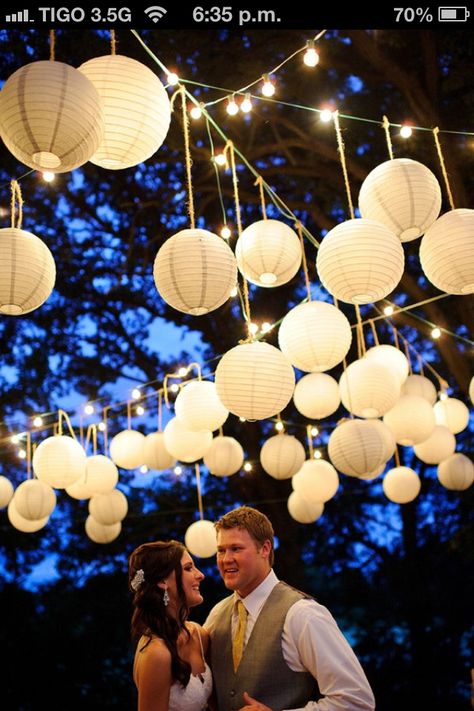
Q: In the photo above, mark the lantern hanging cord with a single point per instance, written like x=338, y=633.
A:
x=216, y=170
x=16, y=197
x=113, y=42
x=160, y=407
x=374, y=332
x=106, y=437
x=129, y=415
x=443, y=167
x=187, y=152
x=310, y=441
x=298, y=226
x=63, y=415
x=52, y=45
x=342, y=155
x=386, y=128
x=28, y=455
x=198, y=486
x=259, y=182
x=360, y=330
x=397, y=457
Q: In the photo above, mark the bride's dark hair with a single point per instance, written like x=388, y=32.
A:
x=156, y=561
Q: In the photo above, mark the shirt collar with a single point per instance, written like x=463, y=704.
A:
x=255, y=600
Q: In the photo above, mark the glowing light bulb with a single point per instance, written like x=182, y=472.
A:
x=268, y=88
x=314, y=431
x=15, y=439
x=101, y=426
x=242, y=419
x=246, y=105
x=248, y=467
x=310, y=57
x=48, y=177
x=144, y=469
x=178, y=470
x=388, y=310
x=140, y=410
x=182, y=372
x=38, y=421
x=266, y=327
x=325, y=115
x=174, y=388
x=232, y=107
x=89, y=409
x=405, y=131
x=253, y=328
x=225, y=232
x=436, y=332
x=443, y=395
x=234, y=291
x=317, y=454
x=196, y=112
x=220, y=159
x=136, y=394
x=172, y=78
x=22, y=454
x=279, y=426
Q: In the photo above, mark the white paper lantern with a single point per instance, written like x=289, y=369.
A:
x=374, y=474
x=357, y=447
x=255, y=380
x=421, y=386
x=401, y=485
x=268, y=253
x=108, y=508
x=447, y=252
x=51, y=116
x=199, y=408
x=136, y=108
x=452, y=413
x=59, y=461
x=126, y=449
x=27, y=271
x=6, y=491
x=360, y=261
x=224, y=457
x=471, y=389
x=302, y=510
x=200, y=539
x=186, y=445
x=391, y=358
x=456, y=472
x=402, y=194
x=195, y=271
x=316, y=396
x=34, y=500
x=411, y=420
x=368, y=389
x=99, y=533
x=316, y=481
x=101, y=476
x=315, y=336
x=22, y=524
x=439, y=445
x=155, y=454
x=282, y=456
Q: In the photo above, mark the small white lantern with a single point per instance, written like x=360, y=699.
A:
x=439, y=445
x=199, y=408
x=447, y=252
x=302, y=510
x=315, y=336
x=224, y=457
x=368, y=389
x=316, y=481
x=255, y=380
x=200, y=539
x=195, y=271
x=268, y=253
x=401, y=485
x=357, y=447
x=136, y=108
x=421, y=386
x=360, y=261
x=6, y=491
x=471, y=389
x=51, y=117
x=155, y=454
x=316, y=396
x=282, y=456
x=126, y=449
x=391, y=358
x=456, y=472
x=27, y=271
x=108, y=508
x=411, y=420
x=100, y=533
x=59, y=461
x=404, y=195
x=34, y=500
x=186, y=445
x=101, y=476
x=452, y=413
x=23, y=524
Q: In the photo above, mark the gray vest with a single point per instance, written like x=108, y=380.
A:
x=262, y=672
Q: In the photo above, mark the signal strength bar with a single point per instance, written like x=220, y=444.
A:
x=22, y=16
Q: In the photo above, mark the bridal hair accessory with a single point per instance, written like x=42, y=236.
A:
x=137, y=580
x=166, y=597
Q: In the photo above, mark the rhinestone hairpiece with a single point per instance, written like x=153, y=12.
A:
x=137, y=579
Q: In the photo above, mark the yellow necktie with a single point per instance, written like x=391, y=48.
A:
x=239, y=637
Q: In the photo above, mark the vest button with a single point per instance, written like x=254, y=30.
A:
x=232, y=692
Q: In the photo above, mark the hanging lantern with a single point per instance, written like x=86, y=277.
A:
x=23, y=524
x=282, y=456
x=391, y=358
x=360, y=261
x=401, y=485
x=368, y=389
x=302, y=510
x=102, y=534
x=195, y=271
x=108, y=508
x=199, y=408
x=186, y=445
x=315, y=336
x=456, y=472
x=452, y=413
x=155, y=454
x=224, y=457
x=316, y=481
x=255, y=380
x=439, y=445
x=411, y=420
x=200, y=539
x=126, y=449
x=402, y=194
x=316, y=396
x=136, y=108
x=447, y=252
x=357, y=447
x=34, y=500
x=268, y=253
x=421, y=386
x=101, y=476
x=59, y=461
x=6, y=491
x=471, y=389
x=375, y=473
x=51, y=116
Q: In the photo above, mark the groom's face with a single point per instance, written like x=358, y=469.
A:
x=242, y=562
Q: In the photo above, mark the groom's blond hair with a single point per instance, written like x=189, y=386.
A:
x=255, y=522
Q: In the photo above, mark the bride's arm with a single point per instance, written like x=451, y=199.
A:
x=153, y=677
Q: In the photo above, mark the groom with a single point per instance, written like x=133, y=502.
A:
x=272, y=647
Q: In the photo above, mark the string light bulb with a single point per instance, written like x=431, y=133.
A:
x=325, y=115
x=388, y=310
x=266, y=327
x=182, y=372
x=174, y=388
x=253, y=328
x=310, y=57
x=225, y=232
x=234, y=291
x=178, y=470
x=317, y=454
x=247, y=467
x=144, y=469
x=15, y=439
x=436, y=332
x=406, y=131
x=242, y=419
x=140, y=410
x=443, y=395
x=101, y=426
x=89, y=409
x=246, y=105
x=22, y=454
x=279, y=426
x=196, y=112
x=38, y=421
x=47, y=176
x=172, y=78
x=220, y=159
x=268, y=88
x=232, y=107
x=136, y=394
x=314, y=431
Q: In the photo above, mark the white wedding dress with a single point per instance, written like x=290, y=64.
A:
x=194, y=696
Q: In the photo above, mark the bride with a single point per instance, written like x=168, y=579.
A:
x=170, y=668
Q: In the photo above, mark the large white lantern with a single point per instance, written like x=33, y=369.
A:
x=27, y=271
x=200, y=539
x=59, y=461
x=51, y=116
x=199, y=408
x=101, y=476
x=224, y=457
x=391, y=358
x=255, y=380
x=315, y=336
x=360, y=261
x=108, y=508
x=302, y=510
x=447, y=252
x=316, y=481
x=357, y=447
x=155, y=454
x=401, y=485
x=186, y=445
x=316, y=396
x=99, y=533
x=402, y=194
x=368, y=389
x=23, y=524
x=439, y=445
x=195, y=271
x=34, y=499
x=268, y=253
x=421, y=386
x=6, y=491
x=456, y=472
x=126, y=449
x=282, y=456
x=136, y=108
x=452, y=413
x=411, y=420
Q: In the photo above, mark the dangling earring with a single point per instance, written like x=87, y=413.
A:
x=166, y=598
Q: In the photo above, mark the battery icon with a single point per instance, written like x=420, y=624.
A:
x=453, y=14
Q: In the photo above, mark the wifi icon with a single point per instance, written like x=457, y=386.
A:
x=155, y=12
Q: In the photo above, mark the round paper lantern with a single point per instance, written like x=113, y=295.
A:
x=357, y=447
x=108, y=508
x=421, y=386
x=255, y=380
x=101, y=476
x=126, y=449
x=155, y=454
x=102, y=534
x=268, y=253
x=224, y=457
x=374, y=474
x=391, y=358
x=316, y=481
x=6, y=491
x=302, y=510
x=368, y=389
x=452, y=413
x=136, y=108
x=22, y=524
x=360, y=261
x=456, y=472
x=34, y=500
x=59, y=461
x=282, y=456
x=316, y=396
x=200, y=539
x=315, y=336
x=27, y=271
x=402, y=194
x=186, y=445
x=411, y=420
x=447, y=252
x=439, y=445
x=471, y=389
x=401, y=485
x=195, y=271
x=51, y=116
x=199, y=408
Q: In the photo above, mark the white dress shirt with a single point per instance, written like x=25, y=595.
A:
x=311, y=642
